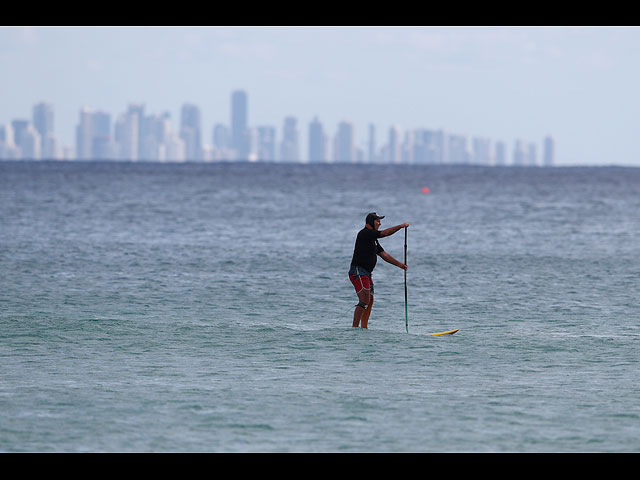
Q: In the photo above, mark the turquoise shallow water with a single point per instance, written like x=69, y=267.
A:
x=150, y=307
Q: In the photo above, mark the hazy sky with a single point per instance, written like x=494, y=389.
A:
x=578, y=84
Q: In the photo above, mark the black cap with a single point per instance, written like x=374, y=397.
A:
x=373, y=216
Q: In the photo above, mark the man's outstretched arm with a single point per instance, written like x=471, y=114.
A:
x=391, y=230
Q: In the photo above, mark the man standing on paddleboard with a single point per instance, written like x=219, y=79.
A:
x=364, y=261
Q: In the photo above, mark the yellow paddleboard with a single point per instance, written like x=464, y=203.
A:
x=450, y=332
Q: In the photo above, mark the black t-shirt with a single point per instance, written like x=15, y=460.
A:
x=367, y=248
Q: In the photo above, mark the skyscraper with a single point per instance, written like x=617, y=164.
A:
x=482, y=151
x=407, y=147
x=344, y=143
x=251, y=145
x=8, y=148
x=6, y=134
x=549, y=152
x=371, y=151
x=425, y=150
x=419, y=153
x=161, y=133
x=289, y=148
x=127, y=135
x=266, y=148
x=93, y=136
x=101, y=140
x=30, y=143
x=19, y=129
x=317, y=142
x=84, y=135
x=441, y=145
x=395, y=149
x=138, y=110
x=43, y=123
x=175, y=148
x=190, y=131
x=459, y=152
x=519, y=154
x=500, y=154
x=221, y=137
x=162, y=127
x=151, y=137
x=532, y=154
x=239, y=123
x=222, y=149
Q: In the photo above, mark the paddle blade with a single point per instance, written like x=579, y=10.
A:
x=450, y=332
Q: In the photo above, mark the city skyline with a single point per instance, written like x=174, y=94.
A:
x=139, y=135
x=577, y=84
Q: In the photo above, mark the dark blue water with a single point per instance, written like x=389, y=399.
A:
x=206, y=307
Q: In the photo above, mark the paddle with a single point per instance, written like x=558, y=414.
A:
x=406, y=313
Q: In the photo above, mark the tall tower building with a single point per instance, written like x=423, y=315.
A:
x=549, y=152
x=175, y=149
x=84, y=135
x=266, y=148
x=190, y=131
x=395, y=148
x=6, y=135
x=94, y=140
x=239, y=122
x=500, y=154
x=222, y=143
x=289, y=147
x=43, y=123
x=519, y=154
x=149, y=142
x=19, y=130
x=317, y=142
x=30, y=144
x=407, y=147
x=161, y=132
x=126, y=136
x=250, y=143
x=441, y=146
x=532, y=154
x=371, y=146
x=221, y=137
x=8, y=148
x=482, y=151
x=101, y=139
x=459, y=152
x=162, y=128
x=425, y=149
x=419, y=147
x=344, y=143
x=138, y=108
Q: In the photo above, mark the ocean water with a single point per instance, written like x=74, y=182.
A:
x=207, y=308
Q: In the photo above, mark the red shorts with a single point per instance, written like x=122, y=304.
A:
x=360, y=281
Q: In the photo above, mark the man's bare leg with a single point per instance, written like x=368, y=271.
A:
x=364, y=320
x=363, y=297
